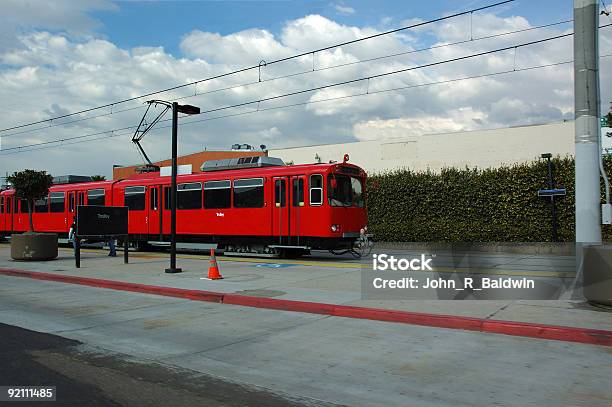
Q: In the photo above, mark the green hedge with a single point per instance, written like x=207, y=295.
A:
x=472, y=205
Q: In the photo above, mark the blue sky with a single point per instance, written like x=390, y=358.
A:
x=163, y=23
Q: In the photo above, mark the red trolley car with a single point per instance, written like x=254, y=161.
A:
x=245, y=205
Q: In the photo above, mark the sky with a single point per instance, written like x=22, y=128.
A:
x=58, y=57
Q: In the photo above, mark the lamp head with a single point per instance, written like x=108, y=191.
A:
x=188, y=109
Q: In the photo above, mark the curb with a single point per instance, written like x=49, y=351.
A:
x=524, y=329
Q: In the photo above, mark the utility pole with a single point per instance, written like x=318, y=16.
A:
x=588, y=150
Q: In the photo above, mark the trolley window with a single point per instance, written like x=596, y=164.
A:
x=357, y=189
x=8, y=204
x=298, y=192
x=316, y=190
x=280, y=193
x=339, y=192
x=41, y=205
x=23, y=206
x=96, y=197
x=2, y=204
x=217, y=194
x=167, y=198
x=57, y=202
x=71, y=202
x=189, y=196
x=135, y=198
x=154, y=199
x=248, y=193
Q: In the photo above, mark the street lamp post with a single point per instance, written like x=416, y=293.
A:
x=187, y=109
x=141, y=130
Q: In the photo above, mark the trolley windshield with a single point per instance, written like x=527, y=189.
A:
x=344, y=190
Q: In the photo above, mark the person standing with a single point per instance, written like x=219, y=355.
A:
x=111, y=245
x=72, y=235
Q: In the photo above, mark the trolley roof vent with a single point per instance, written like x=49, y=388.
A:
x=71, y=179
x=147, y=168
x=242, y=162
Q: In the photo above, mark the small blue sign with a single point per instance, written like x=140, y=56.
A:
x=552, y=192
x=274, y=265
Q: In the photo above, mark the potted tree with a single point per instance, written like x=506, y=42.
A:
x=31, y=185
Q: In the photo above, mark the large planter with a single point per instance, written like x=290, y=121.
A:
x=34, y=246
x=598, y=274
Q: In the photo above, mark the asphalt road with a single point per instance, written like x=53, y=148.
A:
x=86, y=376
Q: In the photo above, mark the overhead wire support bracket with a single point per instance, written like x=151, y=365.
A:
x=144, y=127
x=471, y=25
x=261, y=63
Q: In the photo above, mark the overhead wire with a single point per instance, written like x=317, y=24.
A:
x=258, y=101
x=309, y=71
x=269, y=98
x=24, y=149
x=605, y=10
x=253, y=67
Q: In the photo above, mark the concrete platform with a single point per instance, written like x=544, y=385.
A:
x=328, y=280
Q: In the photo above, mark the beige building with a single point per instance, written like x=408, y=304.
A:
x=480, y=148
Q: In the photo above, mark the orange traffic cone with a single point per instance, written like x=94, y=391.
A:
x=213, y=270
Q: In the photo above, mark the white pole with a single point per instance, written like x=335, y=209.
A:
x=588, y=151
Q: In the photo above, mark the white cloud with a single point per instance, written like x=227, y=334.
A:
x=244, y=47
x=346, y=10
x=59, y=15
x=461, y=119
x=48, y=74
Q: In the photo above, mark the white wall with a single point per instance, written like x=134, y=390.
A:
x=481, y=148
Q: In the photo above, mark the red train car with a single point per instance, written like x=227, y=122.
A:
x=248, y=205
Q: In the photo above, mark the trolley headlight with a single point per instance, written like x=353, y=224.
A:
x=335, y=228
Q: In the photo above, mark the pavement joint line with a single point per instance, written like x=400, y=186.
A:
x=513, y=328
x=352, y=265
x=503, y=307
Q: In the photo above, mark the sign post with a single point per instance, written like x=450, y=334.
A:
x=77, y=251
x=551, y=192
x=125, y=249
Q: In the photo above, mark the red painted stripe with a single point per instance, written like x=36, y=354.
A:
x=198, y=295
x=406, y=317
x=530, y=330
